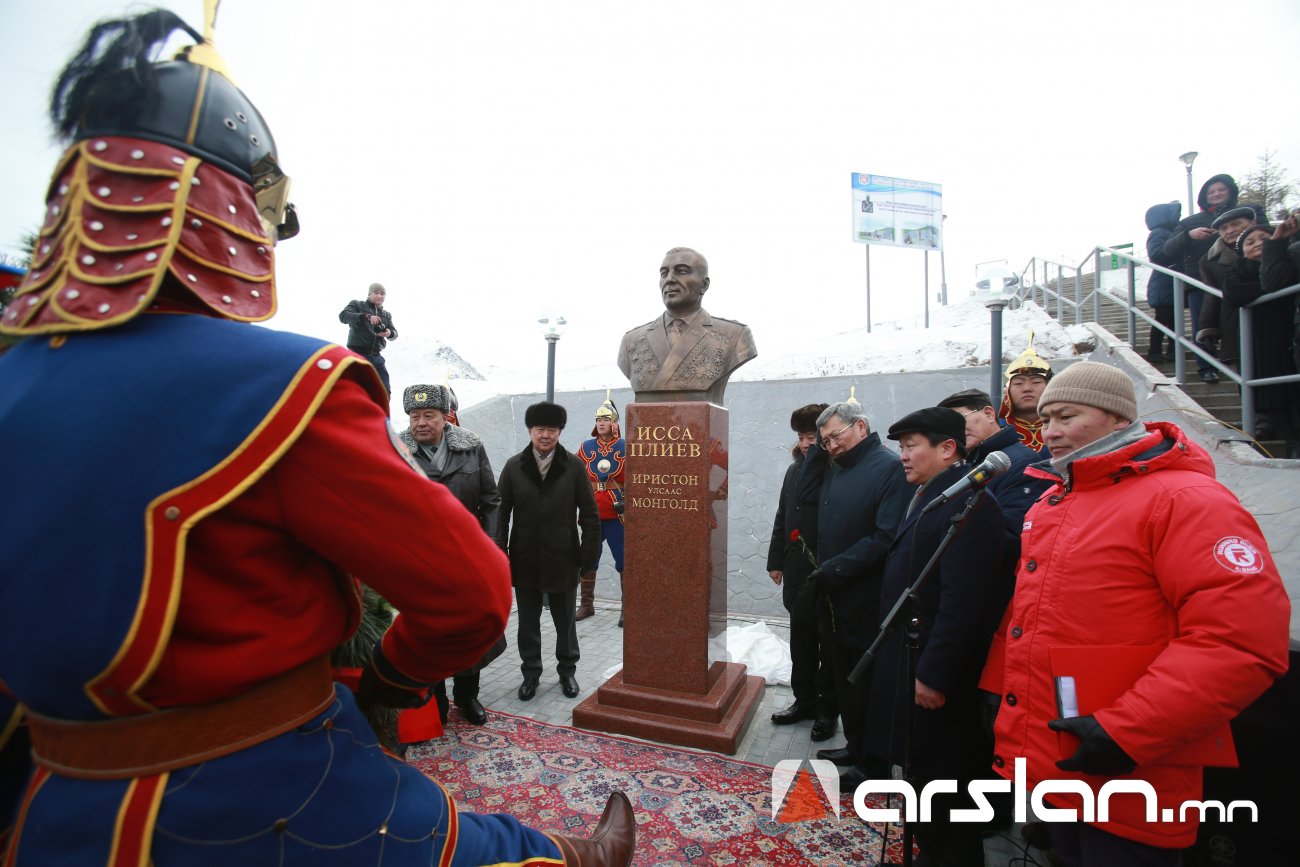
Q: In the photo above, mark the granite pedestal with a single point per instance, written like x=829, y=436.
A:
x=676, y=685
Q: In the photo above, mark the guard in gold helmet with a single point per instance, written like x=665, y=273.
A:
x=605, y=455
x=183, y=711
x=1027, y=376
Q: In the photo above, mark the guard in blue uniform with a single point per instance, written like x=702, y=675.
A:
x=605, y=455
x=180, y=709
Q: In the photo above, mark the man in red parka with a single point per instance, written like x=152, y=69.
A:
x=1137, y=553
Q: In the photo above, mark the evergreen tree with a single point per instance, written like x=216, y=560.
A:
x=1267, y=185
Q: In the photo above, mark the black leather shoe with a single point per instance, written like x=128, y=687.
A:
x=850, y=780
x=793, y=714
x=528, y=689
x=1209, y=376
x=472, y=710
x=823, y=728
x=569, y=684
x=838, y=756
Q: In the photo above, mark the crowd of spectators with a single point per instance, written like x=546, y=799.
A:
x=1210, y=246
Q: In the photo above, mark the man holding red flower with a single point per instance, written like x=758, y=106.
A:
x=789, y=561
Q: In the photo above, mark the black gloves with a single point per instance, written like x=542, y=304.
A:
x=810, y=583
x=619, y=507
x=989, y=704
x=1097, y=753
x=374, y=691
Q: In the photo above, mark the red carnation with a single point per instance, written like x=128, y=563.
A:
x=807, y=552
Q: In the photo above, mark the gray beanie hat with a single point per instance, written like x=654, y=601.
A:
x=437, y=397
x=1093, y=384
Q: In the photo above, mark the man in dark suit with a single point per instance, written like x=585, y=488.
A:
x=861, y=498
x=957, y=608
x=545, y=501
x=789, y=562
x=685, y=354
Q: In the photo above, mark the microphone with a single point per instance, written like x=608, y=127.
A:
x=994, y=465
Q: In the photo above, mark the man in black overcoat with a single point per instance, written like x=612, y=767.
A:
x=549, y=527
x=861, y=498
x=789, y=562
x=958, y=609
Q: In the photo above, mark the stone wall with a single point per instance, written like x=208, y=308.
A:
x=759, y=453
x=761, y=440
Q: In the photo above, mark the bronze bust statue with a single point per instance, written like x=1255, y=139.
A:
x=685, y=354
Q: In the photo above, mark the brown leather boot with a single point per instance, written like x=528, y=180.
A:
x=613, y=842
x=587, y=599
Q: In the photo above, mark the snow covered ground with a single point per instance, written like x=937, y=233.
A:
x=958, y=336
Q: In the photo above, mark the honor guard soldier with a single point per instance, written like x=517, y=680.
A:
x=1027, y=376
x=180, y=708
x=605, y=456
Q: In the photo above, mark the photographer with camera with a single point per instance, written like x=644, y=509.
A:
x=370, y=327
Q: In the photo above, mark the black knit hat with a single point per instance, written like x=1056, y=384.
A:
x=940, y=420
x=545, y=414
x=804, y=419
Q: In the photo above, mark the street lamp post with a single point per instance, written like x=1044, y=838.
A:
x=943, y=269
x=1187, y=160
x=999, y=283
x=552, y=328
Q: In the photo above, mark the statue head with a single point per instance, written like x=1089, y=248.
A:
x=683, y=280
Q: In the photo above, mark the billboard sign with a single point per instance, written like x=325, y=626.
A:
x=897, y=212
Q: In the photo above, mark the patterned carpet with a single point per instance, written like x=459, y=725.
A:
x=692, y=808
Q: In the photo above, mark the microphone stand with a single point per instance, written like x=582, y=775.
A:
x=907, y=611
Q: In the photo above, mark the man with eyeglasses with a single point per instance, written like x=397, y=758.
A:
x=861, y=500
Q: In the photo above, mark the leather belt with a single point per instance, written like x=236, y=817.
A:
x=153, y=743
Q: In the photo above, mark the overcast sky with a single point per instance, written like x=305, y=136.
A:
x=490, y=160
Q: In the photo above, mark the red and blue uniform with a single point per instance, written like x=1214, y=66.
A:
x=605, y=461
x=195, y=496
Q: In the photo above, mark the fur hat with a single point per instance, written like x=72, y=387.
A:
x=804, y=419
x=1245, y=212
x=940, y=420
x=437, y=397
x=971, y=398
x=545, y=414
x=1093, y=384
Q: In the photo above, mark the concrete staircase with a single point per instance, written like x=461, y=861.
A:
x=1221, y=400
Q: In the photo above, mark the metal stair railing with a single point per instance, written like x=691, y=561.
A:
x=1042, y=290
x=1245, y=379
